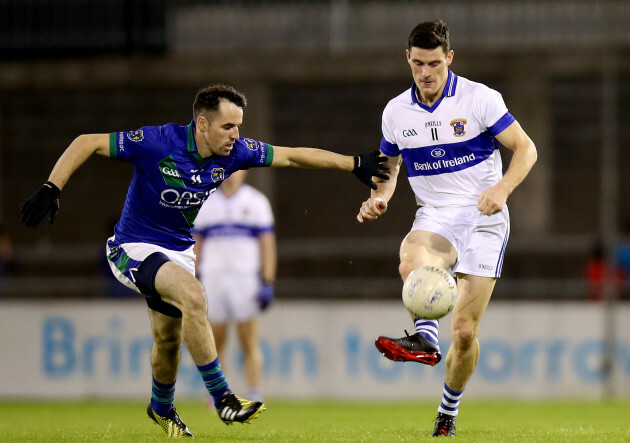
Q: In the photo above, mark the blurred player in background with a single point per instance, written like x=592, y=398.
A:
x=447, y=130
x=236, y=264
x=176, y=168
x=600, y=271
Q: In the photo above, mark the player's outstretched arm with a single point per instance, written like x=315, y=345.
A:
x=46, y=200
x=376, y=205
x=76, y=154
x=364, y=166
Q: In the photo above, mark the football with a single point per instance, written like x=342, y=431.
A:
x=429, y=292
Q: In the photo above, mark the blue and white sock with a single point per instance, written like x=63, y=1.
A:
x=214, y=379
x=428, y=329
x=450, y=401
x=162, y=396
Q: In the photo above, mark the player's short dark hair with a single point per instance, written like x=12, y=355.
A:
x=430, y=35
x=208, y=99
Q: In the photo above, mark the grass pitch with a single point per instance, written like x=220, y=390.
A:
x=319, y=421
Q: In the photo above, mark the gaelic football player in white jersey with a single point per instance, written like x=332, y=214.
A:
x=448, y=130
x=236, y=264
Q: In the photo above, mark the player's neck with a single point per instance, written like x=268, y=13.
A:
x=203, y=151
x=429, y=100
x=202, y=148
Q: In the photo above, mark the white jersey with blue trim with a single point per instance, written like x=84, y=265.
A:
x=449, y=149
x=230, y=226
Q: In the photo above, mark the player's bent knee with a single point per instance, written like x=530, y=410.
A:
x=145, y=281
x=405, y=269
x=197, y=299
x=169, y=343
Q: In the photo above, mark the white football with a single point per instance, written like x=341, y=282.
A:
x=429, y=292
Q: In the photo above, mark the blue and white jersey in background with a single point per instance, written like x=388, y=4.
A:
x=171, y=181
x=230, y=227
x=449, y=149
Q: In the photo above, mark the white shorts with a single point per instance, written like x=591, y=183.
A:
x=138, y=252
x=231, y=295
x=479, y=240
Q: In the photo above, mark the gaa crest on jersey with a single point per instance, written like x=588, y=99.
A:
x=459, y=127
x=252, y=145
x=409, y=132
x=218, y=174
x=135, y=136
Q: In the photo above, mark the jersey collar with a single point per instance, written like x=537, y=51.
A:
x=449, y=91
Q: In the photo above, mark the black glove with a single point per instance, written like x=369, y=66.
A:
x=370, y=165
x=41, y=203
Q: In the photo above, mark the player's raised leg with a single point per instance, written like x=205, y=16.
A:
x=419, y=248
x=181, y=289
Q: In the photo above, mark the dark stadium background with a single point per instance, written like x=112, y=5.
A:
x=76, y=66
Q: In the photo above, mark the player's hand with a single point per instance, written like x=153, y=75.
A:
x=45, y=201
x=371, y=209
x=492, y=200
x=369, y=165
x=265, y=295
